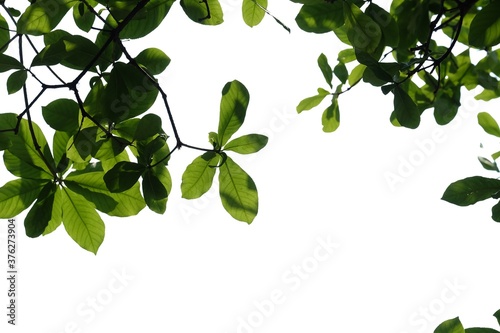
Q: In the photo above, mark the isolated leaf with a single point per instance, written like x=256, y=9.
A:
x=123, y=176
x=488, y=123
x=247, y=144
x=313, y=101
x=470, y=190
x=238, y=192
x=233, y=108
x=154, y=59
x=16, y=81
x=325, y=69
x=450, y=326
x=17, y=195
x=320, y=17
x=62, y=115
x=253, y=11
x=81, y=221
x=198, y=176
x=485, y=27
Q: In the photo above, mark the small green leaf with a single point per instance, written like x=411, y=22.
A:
x=148, y=19
x=233, y=108
x=405, y=108
x=156, y=186
x=325, y=69
x=62, y=115
x=247, y=144
x=81, y=221
x=497, y=316
x=488, y=123
x=388, y=25
x=4, y=34
x=154, y=59
x=198, y=176
x=487, y=164
x=83, y=17
x=341, y=72
x=238, y=192
x=7, y=63
x=320, y=17
x=446, y=105
x=123, y=176
x=16, y=81
x=356, y=75
x=148, y=126
x=363, y=32
x=470, y=190
x=331, y=116
x=450, y=326
x=17, y=195
x=485, y=27
x=253, y=11
x=313, y=101
x=40, y=213
x=346, y=56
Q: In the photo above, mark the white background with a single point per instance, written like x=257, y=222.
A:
x=403, y=259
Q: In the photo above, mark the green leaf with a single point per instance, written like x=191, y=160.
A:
x=17, y=195
x=325, y=69
x=356, y=75
x=331, y=116
x=155, y=60
x=247, y=144
x=446, y=104
x=363, y=32
x=497, y=316
x=56, y=218
x=40, y=213
x=148, y=126
x=346, y=56
x=320, y=17
x=485, y=27
x=148, y=19
x=22, y=169
x=480, y=329
x=487, y=164
x=196, y=10
x=81, y=221
x=156, y=185
x=4, y=34
x=488, y=123
x=470, y=190
x=128, y=94
x=340, y=71
x=238, y=192
x=7, y=63
x=253, y=11
x=123, y=176
x=89, y=184
x=405, y=108
x=198, y=176
x=5, y=141
x=386, y=22
x=43, y=16
x=233, y=108
x=62, y=115
x=83, y=17
x=16, y=81
x=450, y=326
x=313, y=101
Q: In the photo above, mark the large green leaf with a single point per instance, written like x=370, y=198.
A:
x=89, y=184
x=154, y=59
x=196, y=10
x=485, y=27
x=450, y=326
x=156, y=186
x=147, y=20
x=362, y=31
x=238, y=192
x=198, y=176
x=128, y=94
x=62, y=115
x=386, y=22
x=233, y=108
x=4, y=34
x=247, y=144
x=253, y=11
x=405, y=109
x=40, y=213
x=320, y=17
x=488, y=123
x=17, y=195
x=22, y=169
x=43, y=16
x=123, y=176
x=470, y=190
x=81, y=221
